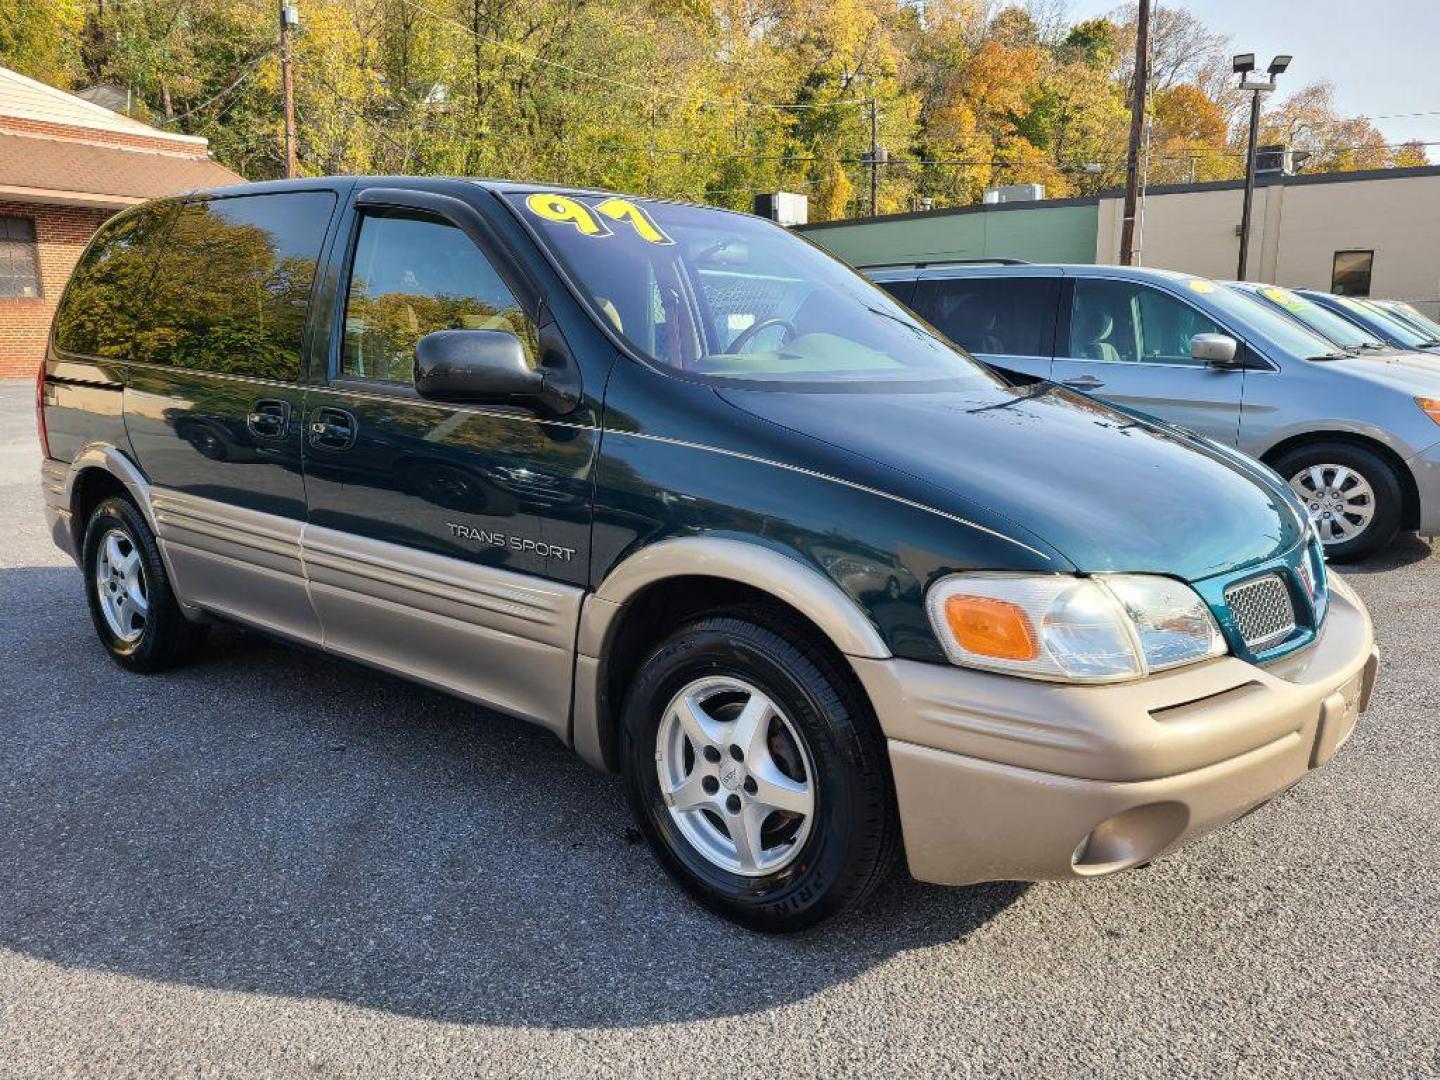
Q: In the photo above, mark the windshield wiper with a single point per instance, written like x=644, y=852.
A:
x=1339, y=355
x=1429, y=343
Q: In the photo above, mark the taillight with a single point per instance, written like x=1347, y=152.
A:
x=40, y=409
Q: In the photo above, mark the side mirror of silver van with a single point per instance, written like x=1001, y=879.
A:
x=1217, y=350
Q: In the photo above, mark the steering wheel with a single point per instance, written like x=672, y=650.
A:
x=754, y=329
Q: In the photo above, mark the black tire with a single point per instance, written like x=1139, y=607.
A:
x=1375, y=470
x=166, y=638
x=853, y=835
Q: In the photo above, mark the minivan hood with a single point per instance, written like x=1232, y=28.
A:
x=1415, y=372
x=1109, y=491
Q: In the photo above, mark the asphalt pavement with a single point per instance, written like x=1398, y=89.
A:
x=275, y=863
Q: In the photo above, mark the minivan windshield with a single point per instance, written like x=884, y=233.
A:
x=1413, y=315
x=731, y=297
x=1322, y=320
x=1396, y=327
x=1249, y=313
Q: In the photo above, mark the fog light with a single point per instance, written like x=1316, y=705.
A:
x=1129, y=838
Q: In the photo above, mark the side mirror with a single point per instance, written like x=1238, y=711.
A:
x=478, y=366
x=1217, y=350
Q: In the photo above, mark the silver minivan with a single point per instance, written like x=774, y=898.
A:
x=1356, y=434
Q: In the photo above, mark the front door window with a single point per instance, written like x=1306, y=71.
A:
x=1126, y=322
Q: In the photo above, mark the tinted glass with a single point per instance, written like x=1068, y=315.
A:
x=1008, y=315
x=1414, y=316
x=413, y=275
x=1250, y=314
x=100, y=312
x=1323, y=321
x=1350, y=275
x=230, y=285
x=19, y=263
x=1384, y=322
x=730, y=296
x=1126, y=322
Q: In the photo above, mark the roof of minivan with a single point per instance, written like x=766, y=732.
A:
x=497, y=186
x=1137, y=273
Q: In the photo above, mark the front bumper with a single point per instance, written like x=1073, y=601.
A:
x=1000, y=778
x=1425, y=467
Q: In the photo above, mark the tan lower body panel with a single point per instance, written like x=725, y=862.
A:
x=489, y=635
x=1060, y=782
x=492, y=636
x=243, y=564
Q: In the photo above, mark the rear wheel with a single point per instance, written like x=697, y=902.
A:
x=757, y=773
x=131, y=602
x=1352, y=495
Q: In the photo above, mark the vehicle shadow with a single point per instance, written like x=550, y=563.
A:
x=272, y=820
x=1405, y=549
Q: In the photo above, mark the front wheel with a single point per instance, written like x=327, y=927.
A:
x=757, y=773
x=1351, y=493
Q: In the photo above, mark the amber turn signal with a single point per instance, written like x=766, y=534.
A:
x=1431, y=407
x=985, y=626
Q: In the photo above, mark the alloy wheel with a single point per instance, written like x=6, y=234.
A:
x=735, y=775
x=120, y=585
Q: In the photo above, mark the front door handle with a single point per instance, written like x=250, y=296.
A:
x=1084, y=382
x=269, y=418
x=333, y=429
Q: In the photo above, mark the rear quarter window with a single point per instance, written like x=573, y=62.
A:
x=100, y=313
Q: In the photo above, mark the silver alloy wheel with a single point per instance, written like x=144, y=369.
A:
x=735, y=775
x=1340, y=501
x=120, y=585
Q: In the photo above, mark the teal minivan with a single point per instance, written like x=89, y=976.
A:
x=708, y=506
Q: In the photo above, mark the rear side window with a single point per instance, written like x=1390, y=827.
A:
x=413, y=275
x=100, y=312
x=229, y=284
x=1006, y=316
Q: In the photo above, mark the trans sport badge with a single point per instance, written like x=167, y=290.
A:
x=511, y=543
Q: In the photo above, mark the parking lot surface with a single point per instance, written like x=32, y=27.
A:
x=275, y=863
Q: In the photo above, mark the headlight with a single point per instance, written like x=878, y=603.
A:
x=1047, y=626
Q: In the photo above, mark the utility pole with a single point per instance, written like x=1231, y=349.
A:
x=1244, y=66
x=1137, y=127
x=874, y=159
x=289, y=19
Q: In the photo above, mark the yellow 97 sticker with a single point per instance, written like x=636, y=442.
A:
x=1201, y=286
x=589, y=221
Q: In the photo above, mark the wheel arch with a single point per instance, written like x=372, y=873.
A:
x=1409, y=490
x=655, y=589
x=98, y=472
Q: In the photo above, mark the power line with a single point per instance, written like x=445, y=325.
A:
x=245, y=73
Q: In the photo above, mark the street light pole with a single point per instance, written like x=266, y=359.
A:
x=1244, y=66
x=1249, y=184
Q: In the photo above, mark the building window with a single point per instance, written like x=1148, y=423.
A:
x=19, y=259
x=1351, y=275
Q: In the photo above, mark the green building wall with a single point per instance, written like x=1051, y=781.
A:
x=1035, y=233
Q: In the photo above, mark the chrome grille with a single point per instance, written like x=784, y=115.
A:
x=1263, y=611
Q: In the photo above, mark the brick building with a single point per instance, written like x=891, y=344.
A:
x=65, y=166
